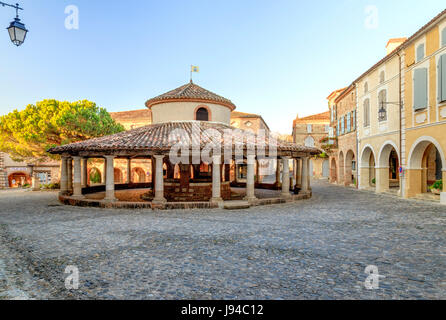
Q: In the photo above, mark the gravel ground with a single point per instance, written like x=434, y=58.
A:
x=314, y=249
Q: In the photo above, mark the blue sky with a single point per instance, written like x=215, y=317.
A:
x=276, y=58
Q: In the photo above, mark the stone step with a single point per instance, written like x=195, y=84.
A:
x=236, y=205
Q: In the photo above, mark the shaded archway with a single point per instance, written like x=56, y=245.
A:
x=349, y=177
x=367, y=168
x=94, y=176
x=341, y=168
x=333, y=171
x=387, y=175
x=119, y=178
x=426, y=163
x=19, y=179
x=138, y=175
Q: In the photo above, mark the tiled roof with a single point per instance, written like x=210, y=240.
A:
x=192, y=92
x=155, y=138
x=325, y=116
x=131, y=115
x=237, y=114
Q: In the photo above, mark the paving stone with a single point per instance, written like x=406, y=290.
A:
x=311, y=249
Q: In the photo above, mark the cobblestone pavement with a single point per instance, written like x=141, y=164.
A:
x=314, y=249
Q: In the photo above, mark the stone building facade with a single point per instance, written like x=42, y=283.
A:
x=343, y=158
x=379, y=129
x=424, y=117
x=310, y=131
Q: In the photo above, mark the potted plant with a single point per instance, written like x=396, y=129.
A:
x=437, y=187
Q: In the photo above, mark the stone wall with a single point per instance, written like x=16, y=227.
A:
x=195, y=193
x=3, y=177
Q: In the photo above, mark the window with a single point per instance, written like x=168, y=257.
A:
x=443, y=37
x=420, y=52
x=382, y=77
x=248, y=123
x=327, y=128
x=366, y=87
x=442, y=78
x=354, y=120
x=420, y=89
x=309, y=142
x=202, y=114
x=349, y=123
x=367, y=113
x=353, y=165
x=382, y=106
x=309, y=128
x=337, y=128
x=342, y=125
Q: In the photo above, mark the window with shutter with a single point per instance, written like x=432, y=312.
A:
x=420, y=52
x=420, y=89
x=442, y=78
x=354, y=120
x=337, y=129
x=443, y=37
x=349, y=127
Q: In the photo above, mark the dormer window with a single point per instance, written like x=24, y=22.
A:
x=202, y=114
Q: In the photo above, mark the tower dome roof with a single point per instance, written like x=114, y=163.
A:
x=191, y=92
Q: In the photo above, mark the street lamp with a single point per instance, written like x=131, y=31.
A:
x=17, y=30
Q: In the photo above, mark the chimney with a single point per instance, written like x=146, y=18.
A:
x=394, y=43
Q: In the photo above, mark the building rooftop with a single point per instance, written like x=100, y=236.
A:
x=191, y=92
x=157, y=138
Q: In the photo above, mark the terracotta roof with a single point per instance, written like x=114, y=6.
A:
x=131, y=115
x=191, y=92
x=237, y=114
x=393, y=40
x=325, y=116
x=344, y=93
x=155, y=138
x=334, y=92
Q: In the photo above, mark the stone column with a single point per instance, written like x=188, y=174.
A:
x=257, y=178
x=443, y=193
x=250, y=183
x=278, y=173
x=364, y=178
x=299, y=172
x=77, y=187
x=216, y=179
x=129, y=170
x=63, y=176
x=286, y=177
x=70, y=174
x=382, y=179
x=109, y=179
x=159, y=180
x=413, y=182
x=35, y=182
x=84, y=172
x=305, y=168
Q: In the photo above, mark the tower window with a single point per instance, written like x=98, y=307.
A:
x=202, y=114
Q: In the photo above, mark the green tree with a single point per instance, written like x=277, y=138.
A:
x=26, y=135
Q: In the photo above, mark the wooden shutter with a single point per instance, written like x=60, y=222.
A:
x=441, y=70
x=420, y=88
x=420, y=52
x=443, y=37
